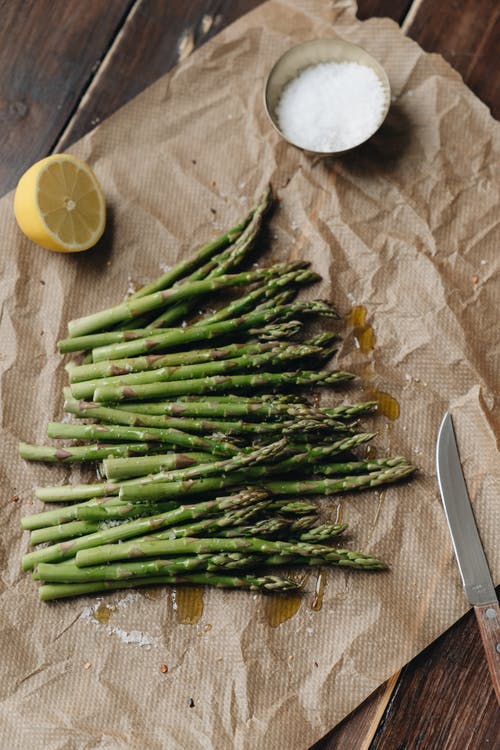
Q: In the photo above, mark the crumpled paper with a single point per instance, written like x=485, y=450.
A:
x=406, y=226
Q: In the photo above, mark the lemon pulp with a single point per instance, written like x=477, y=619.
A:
x=60, y=205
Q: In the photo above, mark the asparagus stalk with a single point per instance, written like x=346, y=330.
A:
x=66, y=550
x=220, y=382
x=234, y=518
x=83, y=452
x=165, y=490
x=202, y=426
x=354, y=467
x=185, y=475
x=261, y=398
x=266, y=292
x=108, y=553
x=63, y=531
x=130, y=489
x=264, y=528
x=134, y=343
x=274, y=357
x=322, y=533
x=112, y=368
x=297, y=508
x=350, y=411
x=250, y=409
x=130, y=309
x=202, y=255
x=259, y=583
x=226, y=261
x=203, y=272
x=176, y=438
x=97, y=509
x=305, y=458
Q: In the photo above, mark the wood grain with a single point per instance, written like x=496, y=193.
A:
x=488, y=619
x=358, y=729
x=395, y=9
x=49, y=50
x=444, y=698
x=467, y=34
x=157, y=34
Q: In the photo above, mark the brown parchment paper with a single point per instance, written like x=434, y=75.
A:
x=403, y=226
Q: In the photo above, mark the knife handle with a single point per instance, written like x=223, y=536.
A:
x=488, y=618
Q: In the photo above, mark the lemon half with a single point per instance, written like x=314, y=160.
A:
x=60, y=205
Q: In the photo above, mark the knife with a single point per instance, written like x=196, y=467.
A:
x=472, y=563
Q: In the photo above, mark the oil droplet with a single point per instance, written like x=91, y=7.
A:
x=387, y=405
x=340, y=513
x=102, y=613
x=189, y=604
x=319, y=591
x=371, y=452
x=366, y=339
x=278, y=608
x=363, y=333
x=357, y=316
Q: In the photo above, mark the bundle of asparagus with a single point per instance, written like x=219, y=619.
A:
x=178, y=427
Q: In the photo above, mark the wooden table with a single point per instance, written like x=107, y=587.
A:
x=65, y=66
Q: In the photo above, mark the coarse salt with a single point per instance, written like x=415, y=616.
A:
x=331, y=106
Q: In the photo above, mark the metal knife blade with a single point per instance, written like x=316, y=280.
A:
x=469, y=551
x=467, y=545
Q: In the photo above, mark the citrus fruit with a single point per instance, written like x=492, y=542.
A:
x=60, y=205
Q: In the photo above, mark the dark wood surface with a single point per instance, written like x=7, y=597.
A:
x=66, y=66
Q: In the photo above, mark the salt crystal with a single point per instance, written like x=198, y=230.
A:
x=331, y=106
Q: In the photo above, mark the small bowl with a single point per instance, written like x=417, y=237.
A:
x=304, y=55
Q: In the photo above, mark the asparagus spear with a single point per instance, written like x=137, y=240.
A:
x=156, y=491
x=297, y=508
x=173, y=337
x=97, y=509
x=83, y=452
x=301, y=460
x=66, y=550
x=220, y=382
x=107, y=553
x=261, y=398
x=202, y=255
x=112, y=368
x=322, y=533
x=132, y=308
x=260, y=583
x=111, y=508
x=134, y=343
x=264, y=292
x=353, y=467
x=226, y=261
x=234, y=518
x=264, y=528
x=212, y=525
x=186, y=474
x=274, y=357
x=202, y=426
x=250, y=409
x=172, y=437
x=304, y=457
x=63, y=531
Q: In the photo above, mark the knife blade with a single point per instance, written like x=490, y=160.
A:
x=472, y=563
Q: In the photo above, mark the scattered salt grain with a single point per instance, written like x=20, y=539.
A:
x=331, y=106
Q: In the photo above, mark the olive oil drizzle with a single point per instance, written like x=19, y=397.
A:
x=188, y=604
